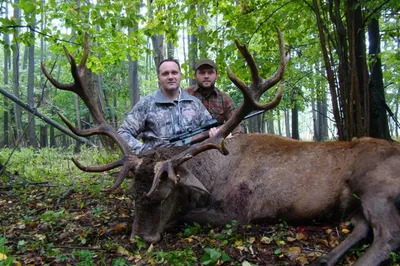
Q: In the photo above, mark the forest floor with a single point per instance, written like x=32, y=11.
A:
x=85, y=228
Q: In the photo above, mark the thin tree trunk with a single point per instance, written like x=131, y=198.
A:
x=270, y=122
x=16, y=54
x=295, y=122
x=287, y=123
x=31, y=89
x=278, y=114
x=6, y=39
x=170, y=50
x=329, y=71
x=184, y=56
x=43, y=128
x=378, y=123
x=134, y=90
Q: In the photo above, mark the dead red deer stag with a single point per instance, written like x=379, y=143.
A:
x=265, y=178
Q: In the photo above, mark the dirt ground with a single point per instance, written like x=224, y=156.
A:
x=93, y=229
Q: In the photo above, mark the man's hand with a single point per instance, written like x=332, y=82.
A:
x=214, y=130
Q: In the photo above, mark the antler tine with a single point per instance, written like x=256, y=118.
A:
x=56, y=83
x=129, y=164
x=255, y=77
x=170, y=165
x=85, y=52
x=102, y=168
x=103, y=129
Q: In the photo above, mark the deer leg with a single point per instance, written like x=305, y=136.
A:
x=383, y=215
x=359, y=232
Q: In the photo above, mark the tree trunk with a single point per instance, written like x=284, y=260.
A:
x=43, y=136
x=378, y=121
x=6, y=39
x=201, y=43
x=359, y=95
x=329, y=71
x=295, y=113
x=295, y=122
x=287, y=123
x=53, y=143
x=270, y=122
x=158, y=48
x=134, y=90
x=170, y=50
x=278, y=114
x=187, y=71
x=192, y=52
x=31, y=88
x=17, y=109
x=314, y=112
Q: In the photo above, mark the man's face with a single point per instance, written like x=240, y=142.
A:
x=206, y=76
x=169, y=76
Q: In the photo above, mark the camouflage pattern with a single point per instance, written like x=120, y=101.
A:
x=155, y=119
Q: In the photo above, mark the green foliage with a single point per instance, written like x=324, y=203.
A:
x=176, y=257
x=4, y=259
x=212, y=256
x=52, y=216
x=53, y=165
x=84, y=257
x=191, y=229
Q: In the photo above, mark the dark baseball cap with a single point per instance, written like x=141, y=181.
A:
x=204, y=61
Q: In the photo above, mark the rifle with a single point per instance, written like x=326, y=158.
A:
x=193, y=136
x=199, y=134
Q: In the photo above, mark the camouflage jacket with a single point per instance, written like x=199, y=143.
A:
x=155, y=119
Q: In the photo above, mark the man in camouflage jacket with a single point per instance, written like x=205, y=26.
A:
x=163, y=114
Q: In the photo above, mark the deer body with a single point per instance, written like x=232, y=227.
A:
x=270, y=177
x=266, y=178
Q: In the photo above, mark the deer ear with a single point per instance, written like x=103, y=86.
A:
x=188, y=179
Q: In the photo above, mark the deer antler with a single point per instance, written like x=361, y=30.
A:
x=251, y=96
x=128, y=161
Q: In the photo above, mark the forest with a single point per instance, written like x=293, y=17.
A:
x=342, y=82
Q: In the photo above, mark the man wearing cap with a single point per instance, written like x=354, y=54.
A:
x=163, y=114
x=218, y=103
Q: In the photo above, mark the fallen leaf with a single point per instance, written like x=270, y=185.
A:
x=122, y=251
x=345, y=230
x=302, y=260
x=251, y=240
x=238, y=243
x=266, y=240
x=189, y=239
x=291, y=239
x=293, y=252
x=3, y=256
x=324, y=242
x=301, y=236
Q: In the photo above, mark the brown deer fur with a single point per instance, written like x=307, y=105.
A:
x=266, y=178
